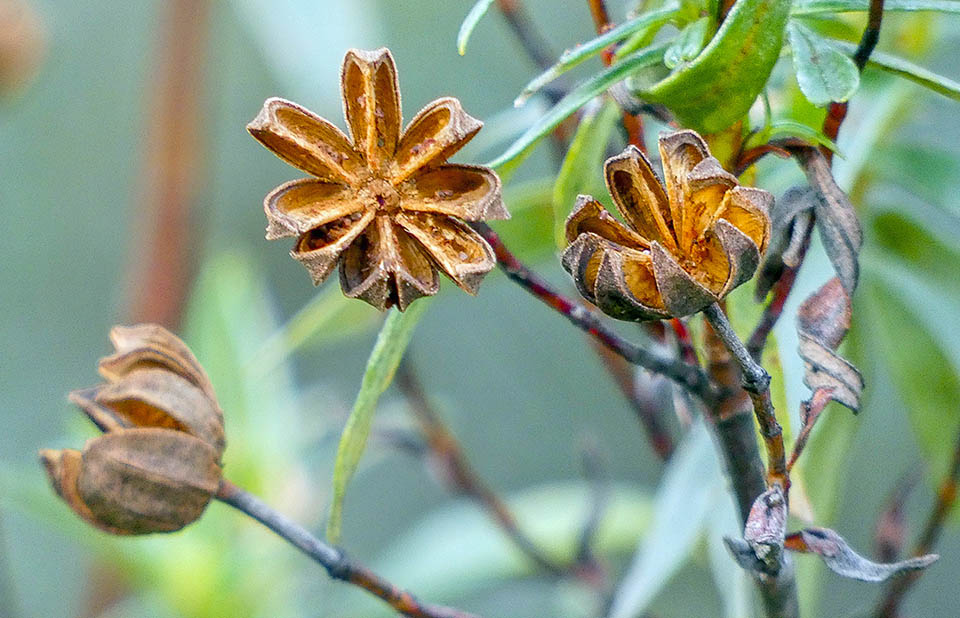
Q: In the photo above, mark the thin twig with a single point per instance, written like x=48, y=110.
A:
x=837, y=112
x=595, y=475
x=461, y=476
x=756, y=381
x=734, y=425
x=890, y=530
x=896, y=590
x=336, y=563
x=692, y=378
x=529, y=37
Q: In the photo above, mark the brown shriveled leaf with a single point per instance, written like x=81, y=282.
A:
x=688, y=242
x=791, y=219
x=385, y=205
x=842, y=560
x=836, y=219
x=822, y=321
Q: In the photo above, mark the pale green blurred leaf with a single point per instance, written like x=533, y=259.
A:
x=733, y=583
x=642, y=25
x=582, y=168
x=470, y=22
x=810, y=7
x=327, y=318
x=573, y=101
x=680, y=508
x=825, y=74
x=382, y=364
x=458, y=549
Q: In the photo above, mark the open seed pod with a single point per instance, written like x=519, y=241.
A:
x=686, y=244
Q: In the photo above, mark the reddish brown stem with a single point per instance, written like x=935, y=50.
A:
x=897, y=589
x=692, y=378
x=684, y=342
x=337, y=564
x=459, y=473
x=837, y=112
x=532, y=41
x=163, y=257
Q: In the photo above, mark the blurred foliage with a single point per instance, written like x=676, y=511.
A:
x=519, y=387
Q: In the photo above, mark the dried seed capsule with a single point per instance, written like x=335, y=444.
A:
x=688, y=242
x=158, y=465
x=137, y=481
x=384, y=204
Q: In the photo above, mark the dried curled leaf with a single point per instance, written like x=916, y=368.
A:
x=836, y=218
x=822, y=321
x=761, y=548
x=158, y=465
x=688, y=241
x=384, y=205
x=842, y=560
x=791, y=219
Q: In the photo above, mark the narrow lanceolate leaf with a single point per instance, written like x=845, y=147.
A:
x=718, y=87
x=647, y=23
x=813, y=7
x=842, y=560
x=383, y=361
x=908, y=70
x=470, y=22
x=822, y=321
x=680, y=509
x=824, y=73
x=573, y=101
x=586, y=154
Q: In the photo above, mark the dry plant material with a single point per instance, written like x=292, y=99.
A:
x=384, y=204
x=688, y=242
x=159, y=462
x=842, y=560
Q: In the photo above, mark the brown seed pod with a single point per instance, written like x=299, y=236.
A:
x=158, y=465
x=383, y=205
x=686, y=243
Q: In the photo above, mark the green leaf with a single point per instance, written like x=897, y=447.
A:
x=382, y=364
x=906, y=69
x=680, y=508
x=812, y=7
x=798, y=129
x=470, y=22
x=911, y=332
x=642, y=25
x=573, y=101
x=582, y=165
x=688, y=44
x=733, y=584
x=719, y=86
x=825, y=74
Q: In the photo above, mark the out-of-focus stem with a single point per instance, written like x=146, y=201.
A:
x=460, y=474
x=162, y=260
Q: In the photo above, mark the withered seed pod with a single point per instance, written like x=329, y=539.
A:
x=384, y=204
x=686, y=243
x=158, y=464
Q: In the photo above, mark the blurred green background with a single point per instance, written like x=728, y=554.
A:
x=516, y=383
